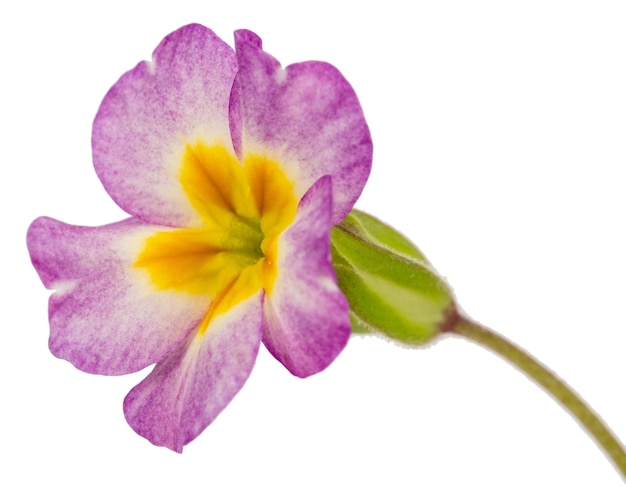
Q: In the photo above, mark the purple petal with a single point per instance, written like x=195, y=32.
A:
x=187, y=391
x=307, y=316
x=145, y=120
x=104, y=317
x=308, y=113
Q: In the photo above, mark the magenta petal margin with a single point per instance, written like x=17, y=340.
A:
x=109, y=316
x=305, y=334
x=103, y=319
x=186, y=391
x=308, y=111
x=145, y=119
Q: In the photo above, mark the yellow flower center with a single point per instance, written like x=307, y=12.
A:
x=233, y=255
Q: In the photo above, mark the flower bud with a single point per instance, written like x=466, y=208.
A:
x=391, y=287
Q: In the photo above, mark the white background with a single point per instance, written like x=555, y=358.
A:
x=499, y=134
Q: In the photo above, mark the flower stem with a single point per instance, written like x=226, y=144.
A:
x=550, y=382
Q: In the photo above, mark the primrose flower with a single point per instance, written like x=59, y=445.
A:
x=233, y=171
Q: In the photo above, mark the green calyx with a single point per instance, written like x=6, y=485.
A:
x=391, y=287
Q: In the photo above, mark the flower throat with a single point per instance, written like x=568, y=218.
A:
x=233, y=253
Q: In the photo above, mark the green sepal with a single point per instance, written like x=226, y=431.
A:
x=389, y=283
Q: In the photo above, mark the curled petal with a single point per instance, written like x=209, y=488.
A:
x=104, y=316
x=308, y=113
x=187, y=391
x=307, y=316
x=149, y=116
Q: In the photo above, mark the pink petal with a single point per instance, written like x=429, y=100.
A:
x=308, y=114
x=187, y=391
x=307, y=316
x=104, y=317
x=145, y=120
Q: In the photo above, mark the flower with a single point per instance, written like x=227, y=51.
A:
x=233, y=171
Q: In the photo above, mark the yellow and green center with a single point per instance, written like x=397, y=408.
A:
x=234, y=253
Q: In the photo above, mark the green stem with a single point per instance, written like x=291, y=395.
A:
x=549, y=381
